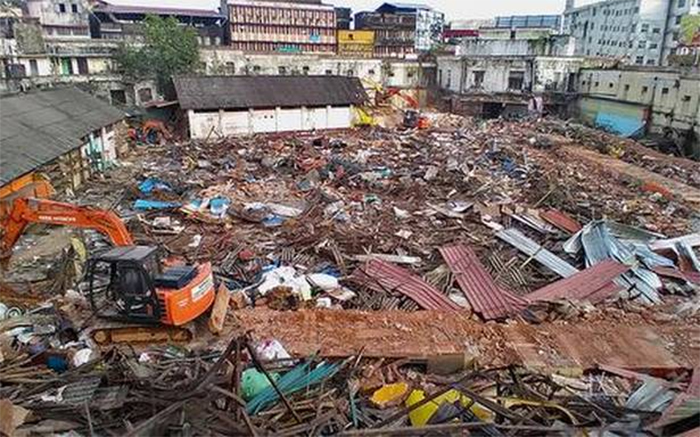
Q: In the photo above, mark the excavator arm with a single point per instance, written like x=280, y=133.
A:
x=30, y=210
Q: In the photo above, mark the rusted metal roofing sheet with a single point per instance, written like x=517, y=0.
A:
x=560, y=220
x=384, y=276
x=671, y=272
x=529, y=247
x=485, y=296
x=595, y=283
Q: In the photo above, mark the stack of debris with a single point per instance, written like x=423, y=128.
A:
x=424, y=235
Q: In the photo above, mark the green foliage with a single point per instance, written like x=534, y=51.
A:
x=690, y=26
x=168, y=49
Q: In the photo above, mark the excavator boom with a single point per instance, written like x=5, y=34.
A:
x=25, y=211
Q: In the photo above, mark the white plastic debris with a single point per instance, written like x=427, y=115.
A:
x=83, y=356
x=285, y=276
x=196, y=241
x=269, y=350
x=401, y=214
x=324, y=302
x=323, y=281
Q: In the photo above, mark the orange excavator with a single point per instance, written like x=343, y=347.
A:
x=127, y=283
x=412, y=118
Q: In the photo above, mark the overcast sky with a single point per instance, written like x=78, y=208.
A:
x=453, y=9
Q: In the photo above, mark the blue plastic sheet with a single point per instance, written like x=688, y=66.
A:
x=149, y=205
x=153, y=184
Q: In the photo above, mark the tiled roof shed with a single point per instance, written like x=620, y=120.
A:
x=244, y=92
x=38, y=127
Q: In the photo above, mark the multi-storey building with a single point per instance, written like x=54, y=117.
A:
x=301, y=26
x=125, y=22
x=636, y=31
x=402, y=29
x=60, y=19
x=343, y=18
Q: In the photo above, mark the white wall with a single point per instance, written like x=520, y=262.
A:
x=226, y=123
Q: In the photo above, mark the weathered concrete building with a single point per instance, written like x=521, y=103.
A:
x=402, y=29
x=64, y=133
x=240, y=105
x=385, y=72
x=60, y=19
x=634, y=101
x=281, y=26
x=498, y=75
x=125, y=22
x=641, y=32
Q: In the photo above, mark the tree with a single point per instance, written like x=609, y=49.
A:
x=168, y=49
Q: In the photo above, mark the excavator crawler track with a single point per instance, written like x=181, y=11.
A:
x=107, y=334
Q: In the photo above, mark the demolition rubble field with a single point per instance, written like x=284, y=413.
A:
x=502, y=277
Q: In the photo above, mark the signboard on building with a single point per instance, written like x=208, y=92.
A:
x=356, y=43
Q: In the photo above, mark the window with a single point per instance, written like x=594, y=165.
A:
x=61, y=8
x=145, y=95
x=610, y=85
x=370, y=72
x=627, y=87
x=653, y=46
x=282, y=70
x=33, y=67
x=82, y=65
x=230, y=68
x=596, y=84
x=329, y=72
x=479, y=79
x=642, y=44
x=516, y=79
x=256, y=69
x=639, y=60
x=645, y=27
x=74, y=8
x=350, y=72
x=656, y=30
x=664, y=91
x=66, y=66
x=678, y=19
x=650, y=62
x=645, y=89
x=118, y=97
x=681, y=4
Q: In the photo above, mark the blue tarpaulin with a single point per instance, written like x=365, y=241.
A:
x=148, y=205
x=153, y=184
x=623, y=125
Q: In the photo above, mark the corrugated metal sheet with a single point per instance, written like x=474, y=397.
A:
x=516, y=238
x=593, y=284
x=243, y=92
x=650, y=396
x=598, y=243
x=484, y=295
x=383, y=276
x=38, y=127
x=561, y=220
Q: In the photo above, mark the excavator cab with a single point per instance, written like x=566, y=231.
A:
x=121, y=286
x=128, y=284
